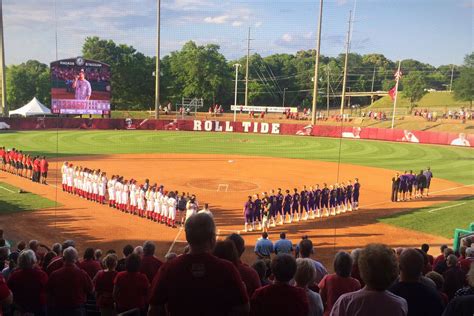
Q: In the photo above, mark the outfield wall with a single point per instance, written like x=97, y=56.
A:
x=257, y=127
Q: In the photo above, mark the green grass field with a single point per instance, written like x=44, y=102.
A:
x=439, y=100
x=11, y=201
x=451, y=163
x=455, y=214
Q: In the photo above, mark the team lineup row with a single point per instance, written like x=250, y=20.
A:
x=276, y=208
x=24, y=165
x=146, y=200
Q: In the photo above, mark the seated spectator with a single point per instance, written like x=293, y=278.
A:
x=439, y=281
x=89, y=264
x=264, y=247
x=210, y=286
x=104, y=286
x=68, y=287
x=149, y=264
x=469, y=289
x=306, y=251
x=57, y=249
x=6, y=296
x=274, y=299
x=170, y=256
x=283, y=245
x=440, y=257
x=304, y=277
x=28, y=285
x=127, y=250
x=98, y=255
x=426, y=262
x=422, y=300
x=442, y=266
x=138, y=251
x=20, y=246
x=261, y=268
x=58, y=262
x=454, y=277
x=249, y=276
x=131, y=286
x=379, y=269
x=355, y=266
x=48, y=257
x=465, y=264
x=332, y=286
x=12, y=265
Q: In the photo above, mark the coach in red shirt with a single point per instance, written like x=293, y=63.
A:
x=68, y=287
x=131, y=286
x=28, y=284
x=44, y=166
x=248, y=275
x=280, y=298
x=198, y=283
x=149, y=264
x=89, y=264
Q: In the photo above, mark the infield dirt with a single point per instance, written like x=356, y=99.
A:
x=224, y=182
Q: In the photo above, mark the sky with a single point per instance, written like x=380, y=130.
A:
x=438, y=32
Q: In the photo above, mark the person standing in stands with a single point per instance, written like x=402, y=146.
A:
x=209, y=285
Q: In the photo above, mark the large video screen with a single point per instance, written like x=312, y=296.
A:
x=80, y=86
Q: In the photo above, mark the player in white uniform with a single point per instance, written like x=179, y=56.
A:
x=191, y=207
x=157, y=206
x=141, y=202
x=164, y=207
x=118, y=194
x=125, y=196
x=149, y=202
x=133, y=197
x=64, y=168
x=70, y=176
x=102, y=188
x=111, y=191
x=172, y=204
x=95, y=186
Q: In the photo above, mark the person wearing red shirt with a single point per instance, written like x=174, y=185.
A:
x=441, y=257
x=19, y=163
x=425, y=248
x=3, y=160
x=104, y=286
x=465, y=264
x=28, y=285
x=332, y=286
x=198, y=283
x=36, y=170
x=89, y=264
x=280, y=298
x=248, y=275
x=6, y=297
x=44, y=166
x=149, y=264
x=131, y=286
x=68, y=287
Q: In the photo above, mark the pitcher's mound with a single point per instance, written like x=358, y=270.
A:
x=222, y=185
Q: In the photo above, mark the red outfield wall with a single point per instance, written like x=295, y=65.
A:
x=423, y=137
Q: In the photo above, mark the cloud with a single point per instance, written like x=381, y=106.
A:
x=221, y=19
x=287, y=38
x=237, y=23
x=341, y=2
x=258, y=24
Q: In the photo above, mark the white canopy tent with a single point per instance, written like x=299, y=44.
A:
x=34, y=107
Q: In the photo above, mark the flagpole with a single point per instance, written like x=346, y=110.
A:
x=397, y=76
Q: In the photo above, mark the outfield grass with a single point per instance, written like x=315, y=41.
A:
x=11, y=201
x=452, y=163
x=439, y=100
x=439, y=219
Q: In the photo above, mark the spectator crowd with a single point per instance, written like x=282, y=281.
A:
x=209, y=278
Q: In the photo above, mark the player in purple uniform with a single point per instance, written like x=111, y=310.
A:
x=349, y=195
x=248, y=214
x=332, y=200
x=428, y=175
x=411, y=183
x=311, y=202
x=304, y=204
x=287, y=203
x=272, y=199
x=295, y=206
x=257, y=216
x=355, y=194
x=404, y=186
x=317, y=201
x=325, y=200
x=279, y=206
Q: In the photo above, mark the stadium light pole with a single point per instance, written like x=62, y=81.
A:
x=2, y=64
x=157, y=69
x=235, y=91
x=316, y=67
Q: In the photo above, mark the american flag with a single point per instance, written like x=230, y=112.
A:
x=398, y=74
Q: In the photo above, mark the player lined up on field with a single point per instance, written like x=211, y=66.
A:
x=145, y=200
x=409, y=186
x=16, y=162
x=276, y=208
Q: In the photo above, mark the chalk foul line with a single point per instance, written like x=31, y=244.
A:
x=175, y=240
x=6, y=189
x=445, y=207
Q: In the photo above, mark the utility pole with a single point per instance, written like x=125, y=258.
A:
x=372, y=89
x=316, y=66
x=344, y=79
x=452, y=76
x=2, y=64
x=157, y=66
x=284, y=94
x=398, y=75
x=235, y=91
x=247, y=71
x=327, y=91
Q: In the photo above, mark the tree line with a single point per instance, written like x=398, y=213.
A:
x=202, y=71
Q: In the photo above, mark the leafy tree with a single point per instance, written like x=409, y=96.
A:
x=414, y=85
x=28, y=80
x=464, y=85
